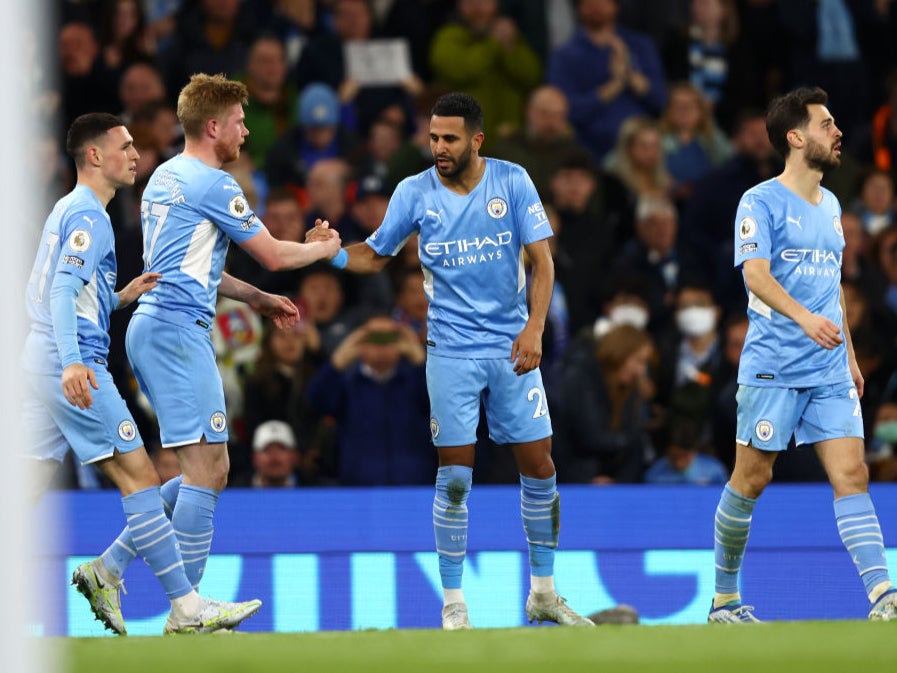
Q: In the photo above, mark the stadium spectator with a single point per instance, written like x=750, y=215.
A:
x=87, y=85
x=322, y=300
x=692, y=143
x=691, y=358
x=798, y=375
x=323, y=60
x=725, y=410
x=124, y=37
x=482, y=53
x=594, y=218
x=275, y=457
x=881, y=449
x=319, y=132
x=682, y=461
x=210, y=36
x=637, y=159
x=544, y=141
x=606, y=393
x=374, y=387
x=875, y=203
x=140, y=83
x=608, y=74
x=272, y=97
x=657, y=255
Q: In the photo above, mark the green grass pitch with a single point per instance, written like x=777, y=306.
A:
x=792, y=647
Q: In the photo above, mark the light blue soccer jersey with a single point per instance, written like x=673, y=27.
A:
x=77, y=239
x=471, y=250
x=803, y=244
x=190, y=212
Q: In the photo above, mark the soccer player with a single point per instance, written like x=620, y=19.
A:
x=476, y=217
x=70, y=294
x=798, y=374
x=191, y=209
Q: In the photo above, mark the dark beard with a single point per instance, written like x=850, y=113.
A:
x=821, y=162
x=460, y=166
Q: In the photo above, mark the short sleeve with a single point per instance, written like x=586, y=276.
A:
x=84, y=241
x=753, y=227
x=226, y=206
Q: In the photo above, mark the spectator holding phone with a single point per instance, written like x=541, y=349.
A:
x=375, y=390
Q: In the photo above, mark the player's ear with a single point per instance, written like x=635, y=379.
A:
x=795, y=137
x=477, y=140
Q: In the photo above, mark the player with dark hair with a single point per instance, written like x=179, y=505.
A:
x=798, y=374
x=70, y=294
x=476, y=217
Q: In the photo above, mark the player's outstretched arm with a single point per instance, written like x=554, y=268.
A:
x=761, y=282
x=277, y=255
x=360, y=257
x=140, y=285
x=280, y=309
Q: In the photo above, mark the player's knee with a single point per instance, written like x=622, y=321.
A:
x=852, y=479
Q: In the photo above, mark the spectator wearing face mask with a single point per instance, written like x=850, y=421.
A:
x=881, y=447
x=627, y=304
x=691, y=356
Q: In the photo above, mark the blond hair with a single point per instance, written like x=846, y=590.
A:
x=207, y=97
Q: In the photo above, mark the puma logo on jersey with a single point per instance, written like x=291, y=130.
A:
x=438, y=215
x=794, y=221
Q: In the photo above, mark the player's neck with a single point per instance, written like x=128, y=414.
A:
x=465, y=183
x=99, y=186
x=195, y=149
x=802, y=181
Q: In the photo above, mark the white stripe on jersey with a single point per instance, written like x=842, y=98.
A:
x=760, y=306
x=88, y=305
x=198, y=259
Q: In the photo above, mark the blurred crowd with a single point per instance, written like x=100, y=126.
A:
x=640, y=122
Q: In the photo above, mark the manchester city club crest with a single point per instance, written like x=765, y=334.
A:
x=434, y=428
x=497, y=208
x=218, y=421
x=127, y=431
x=764, y=430
x=836, y=221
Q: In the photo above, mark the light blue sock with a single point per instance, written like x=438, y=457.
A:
x=861, y=534
x=540, y=507
x=450, y=521
x=154, y=540
x=121, y=552
x=730, y=533
x=192, y=522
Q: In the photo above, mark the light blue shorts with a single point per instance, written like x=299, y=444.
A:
x=516, y=407
x=767, y=417
x=54, y=425
x=176, y=370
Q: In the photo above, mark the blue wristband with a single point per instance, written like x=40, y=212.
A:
x=341, y=259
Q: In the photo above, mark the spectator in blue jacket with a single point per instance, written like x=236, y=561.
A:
x=608, y=74
x=374, y=388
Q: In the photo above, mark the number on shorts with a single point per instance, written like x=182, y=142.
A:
x=151, y=230
x=541, y=408
x=857, y=410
